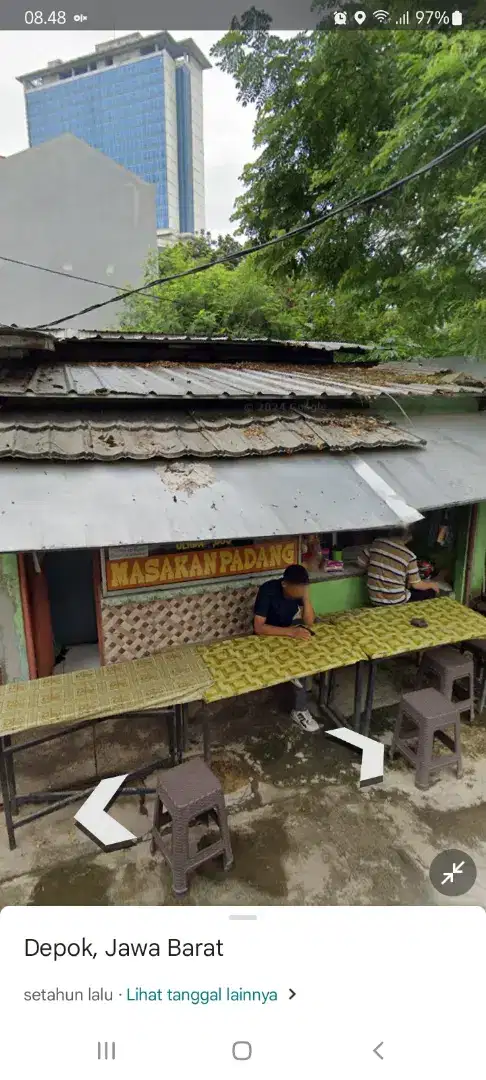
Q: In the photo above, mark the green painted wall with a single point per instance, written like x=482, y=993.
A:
x=479, y=554
x=14, y=665
x=339, y=595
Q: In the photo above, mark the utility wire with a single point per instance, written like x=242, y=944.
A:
x=74, y=277
x=355, y=203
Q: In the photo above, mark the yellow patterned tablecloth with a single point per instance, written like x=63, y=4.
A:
x=387, y=631
x=240, y=665
x=171, y=677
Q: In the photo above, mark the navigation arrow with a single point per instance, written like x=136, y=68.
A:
x=376, y=1051
x=372, y=762
x=94, y=820
x=291, y=994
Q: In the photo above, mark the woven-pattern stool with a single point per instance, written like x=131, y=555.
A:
x=428, y=714
x=478, y=648
x=186, y=793
x=449, y=665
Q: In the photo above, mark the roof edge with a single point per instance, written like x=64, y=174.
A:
x=175, y=48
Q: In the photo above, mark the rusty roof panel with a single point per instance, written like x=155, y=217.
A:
x=142, y=436
x=166, y=381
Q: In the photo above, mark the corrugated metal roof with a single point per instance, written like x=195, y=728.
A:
x=96, y=505
x=450, y=471
x=47, y=506
x=13, y=339
x=239, y=382
x=142, y=436
x=459, y=373
x=67, y=336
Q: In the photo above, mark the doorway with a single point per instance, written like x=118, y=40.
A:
x=64, y=612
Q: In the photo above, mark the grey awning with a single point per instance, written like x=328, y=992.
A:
x=45, y=505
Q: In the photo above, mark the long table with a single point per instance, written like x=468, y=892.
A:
x=162, y=685
x=246, y=664
x=165, y=683
x=386, y=632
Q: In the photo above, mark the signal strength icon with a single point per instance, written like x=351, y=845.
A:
x=404, y=20
x=382, y=16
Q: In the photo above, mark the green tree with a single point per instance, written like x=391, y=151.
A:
x=236, y=299
x=341, y=115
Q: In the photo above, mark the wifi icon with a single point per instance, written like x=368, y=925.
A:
x=382, y=16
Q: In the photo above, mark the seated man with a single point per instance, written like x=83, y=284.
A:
x=392, y=572
x=276, y=606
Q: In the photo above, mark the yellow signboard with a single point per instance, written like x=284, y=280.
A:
x=173, y=569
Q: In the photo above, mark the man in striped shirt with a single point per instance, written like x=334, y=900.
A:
x=392, y=572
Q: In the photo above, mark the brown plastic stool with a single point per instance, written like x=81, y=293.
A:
x=186, y=793
x=450, y=665
x=430, y=713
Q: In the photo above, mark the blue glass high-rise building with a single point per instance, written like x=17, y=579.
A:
x=138, y=100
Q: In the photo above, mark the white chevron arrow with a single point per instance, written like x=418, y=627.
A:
x=372, y=761
x=93, y=818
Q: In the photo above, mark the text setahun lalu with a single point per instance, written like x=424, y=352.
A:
x=58, y=950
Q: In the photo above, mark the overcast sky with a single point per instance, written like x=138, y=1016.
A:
x=227, y=125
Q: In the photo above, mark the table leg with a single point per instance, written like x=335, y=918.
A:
x=370, y=691
x=172, y=735
x=10, y=767
x=179, y=733
x=6, y=795
x=330, y=686
x=206, y=733
x=358, y=695
x=323, y=677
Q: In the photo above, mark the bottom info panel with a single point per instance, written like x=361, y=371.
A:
x=221, y=993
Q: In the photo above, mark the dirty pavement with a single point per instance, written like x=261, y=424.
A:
x=302, y=830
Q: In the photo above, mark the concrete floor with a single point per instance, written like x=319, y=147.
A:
x=302, y=830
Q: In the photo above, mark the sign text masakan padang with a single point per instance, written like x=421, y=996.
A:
x=174, y=569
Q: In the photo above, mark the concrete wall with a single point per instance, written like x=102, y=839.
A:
x=479, y=553
x=13, y=654
x=66, y=206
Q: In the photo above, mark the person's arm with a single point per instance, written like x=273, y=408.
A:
x=261, y=626
x=308, y=613
x=363, y=558
x=414, y=581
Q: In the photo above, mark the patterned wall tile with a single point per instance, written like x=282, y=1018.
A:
x=134, y=630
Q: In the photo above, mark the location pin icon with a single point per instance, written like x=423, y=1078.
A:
x=360, y=17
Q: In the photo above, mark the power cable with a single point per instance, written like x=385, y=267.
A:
x=74, y=277
x=355, y=203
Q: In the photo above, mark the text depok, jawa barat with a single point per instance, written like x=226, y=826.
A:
x=59, y=950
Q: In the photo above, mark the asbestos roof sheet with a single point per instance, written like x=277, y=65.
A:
x=138, y=436
x=168, y=381
x=48, y=505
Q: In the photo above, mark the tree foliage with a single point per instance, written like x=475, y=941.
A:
x=341, y=115
x=236, y=299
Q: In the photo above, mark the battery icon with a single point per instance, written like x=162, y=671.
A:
x=456, y=18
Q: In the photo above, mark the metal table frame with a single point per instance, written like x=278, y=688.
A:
x=55, y=800
x=371, y=681
x=327, y=681
x=177, y=737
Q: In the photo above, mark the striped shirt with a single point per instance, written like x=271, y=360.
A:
x=392, y=571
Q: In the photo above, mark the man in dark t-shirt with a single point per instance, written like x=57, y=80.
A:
x=276, y=606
